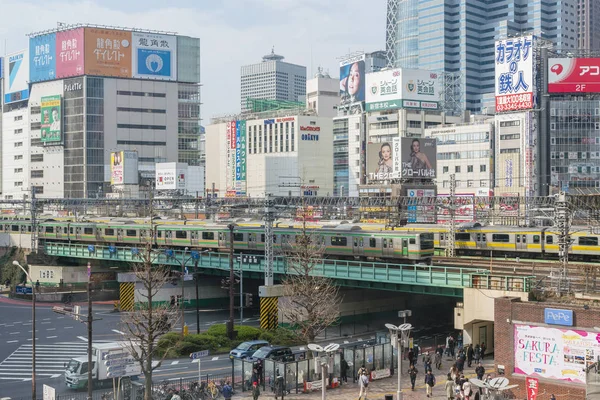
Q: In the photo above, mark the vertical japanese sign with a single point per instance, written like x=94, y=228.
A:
x=508, y=173
x=154, y=56
x=69, y=53
x=107, y=52
x=515, y=85
x=116, y=167
x=530, y=135
x=532, y=388
x=51, y=127
x=42, y=63
x=230, y=155
x=240, y=158
x=16, y=77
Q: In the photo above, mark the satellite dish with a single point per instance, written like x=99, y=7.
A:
x=498, y=383
x=315, y=347
x=330, y=348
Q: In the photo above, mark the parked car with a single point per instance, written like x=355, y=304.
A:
x=275, y=353
x=246, y=349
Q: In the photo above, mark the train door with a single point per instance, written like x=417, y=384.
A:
x=169, y=237
x=521, y=241
x=78, y=231
x=480, y=240
x=119, y=235
x=405, y=247
x=59, y=231
x=252, y=240
x=194, y=237
x=443, y=239
x=223, y=239
x=358, y=246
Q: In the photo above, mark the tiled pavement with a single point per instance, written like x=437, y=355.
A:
x=378, y=389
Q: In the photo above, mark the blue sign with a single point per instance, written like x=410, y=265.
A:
x=42, y=60
x=238, y=152
x=199, y=354
x=152, y=62
x=555, y=316
x=23, y=290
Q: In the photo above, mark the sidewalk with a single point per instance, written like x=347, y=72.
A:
x=378, y=389
x=4, y=299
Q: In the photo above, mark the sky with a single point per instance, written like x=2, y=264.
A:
x=232, y=33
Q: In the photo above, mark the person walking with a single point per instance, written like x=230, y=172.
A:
x=227, y=391
x=344, y=370
x=363, y=381
x=438, y=360
x=412, y=373
x=255, y=391
x=450, y=388
x=429, y=383
x=411, y=357
x=479, y=371
x=362, y=371
x=477, y=353
x=451, y=344
x=470, y=353
x=483, y=349
x=454, y=372
x=460, y=362
x=467, y=391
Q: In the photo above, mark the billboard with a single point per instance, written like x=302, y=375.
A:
x=231, y=129
x=464, y=212
x=352, y=80
x=154, y=56
x=51, y=120
x=171, y=176
x=402, y=88
x=554, y=353
x=16, y=77
x=107, y=52
x=515, y=84
x=240, y=158
x=402, y=158
x=380, y=162
x=574, y=75
x=116, y=167
x=42, y=60
x=69, y=53
x=124, y=167
x=420, y=213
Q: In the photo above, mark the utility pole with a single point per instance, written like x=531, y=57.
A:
x=563, y=224
x=450, y=241
x=34, y=228
x=90, y=385
x=230, y=330
x=269, y=218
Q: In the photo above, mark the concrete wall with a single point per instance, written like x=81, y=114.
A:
x=209, y=292
x=52, y=274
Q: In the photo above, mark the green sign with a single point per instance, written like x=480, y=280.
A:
x=384, y=105
x=51, y=119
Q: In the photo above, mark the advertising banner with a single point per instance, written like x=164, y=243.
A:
x=554, y=353
x=154, y=56
x=402, y=88
x=240, y=158
x=69, y=53
x=42, y=63
x=418, y=157
x=419, y=213
x=515, y=85
x=230, y=158
x=51, y=120
x=532, y=388
x=574, y=75
x=352, y=80
x=107, y=52
x=384, y=90
x=465, y=211
x=16, y=77
x=116, y=167
x=380, y=162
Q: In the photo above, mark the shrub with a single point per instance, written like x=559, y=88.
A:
x=202, y=341
x=217, y=330
x=184, y=348
x=246, y=333
x=285, y=337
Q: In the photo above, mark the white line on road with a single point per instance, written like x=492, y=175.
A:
x=175, y=363
x=51, y=337
x=56, y=375
x=12, y=341
x=46, y=323
x=68, y=327
x=170, y=369
x=82, y=338
x=37, y=338
x=14, y=333
x=28, y=323
x=215, y=358
x=119, y=332
x=46, y=319
x=51, y=329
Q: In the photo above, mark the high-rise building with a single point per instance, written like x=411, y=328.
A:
x=272, y=79
x=457, y=36
x=588, y=14
x=323, y=94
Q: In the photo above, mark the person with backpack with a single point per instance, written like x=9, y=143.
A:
x=429, y=383
x=227, y=391
x=411, y=357
x=412, y=373
x=255, y=391
x=363, y=381
x=477, y=353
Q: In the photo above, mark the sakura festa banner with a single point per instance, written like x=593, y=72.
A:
x=554, y=353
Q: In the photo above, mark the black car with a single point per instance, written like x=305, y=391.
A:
x=275, y=353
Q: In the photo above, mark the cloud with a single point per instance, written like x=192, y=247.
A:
x=232, y=32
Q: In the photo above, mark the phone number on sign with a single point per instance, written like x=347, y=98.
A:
x=514, y=102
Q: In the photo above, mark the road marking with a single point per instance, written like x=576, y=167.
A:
x=195, y=360
x=119, y=332
x=59, y=317
x=46, y=319
x=82, y=338
x=51, y=329
x=12, y=341
x=14, y=333
x=28, y=323
x=175, y=363
x=51, y=337
x=215, y=358
x=46, y=323
x=19, y=322
x=68, y=327
x=55, y=375
x=170, y=369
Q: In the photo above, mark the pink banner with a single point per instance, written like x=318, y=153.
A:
x=69, y=53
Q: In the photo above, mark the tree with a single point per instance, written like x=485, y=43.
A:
x=312, y=302
x=149, y=320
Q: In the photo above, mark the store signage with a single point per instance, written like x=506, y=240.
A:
x=269, y=121
x=532, y=388
x=73, y=86
x=310, y=137
x=310, y=128
x=572, y=75
x=286, y=119
x=555, y=316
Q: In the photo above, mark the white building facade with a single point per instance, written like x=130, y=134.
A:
x=323, y=95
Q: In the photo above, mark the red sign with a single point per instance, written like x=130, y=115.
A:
x=310, y=128
x=574, y=75
x=514, y=102
x=532, y=388
x=285, y=119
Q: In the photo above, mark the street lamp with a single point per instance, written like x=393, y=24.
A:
x=401, y=334
x=33, y=393
x=330, y=348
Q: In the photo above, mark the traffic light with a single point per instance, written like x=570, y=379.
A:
x=248, y=299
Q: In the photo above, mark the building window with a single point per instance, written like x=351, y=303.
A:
x=482, y=183
x=17, y=131
x=482, y=168
x=18, y=184
x=469, y=183
x=18, y=157
x=39, y=173
x=142, y=110
x=445, y=169
x=457, y=169
x=140, y=94
x=469, y=168
x=37, y=157
x=136, y=126
x=141, y=143
x=445, y=184
x=18, y=144
x=18, y=170
x=18, y=118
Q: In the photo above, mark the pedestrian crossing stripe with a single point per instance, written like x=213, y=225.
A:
x=268, y=313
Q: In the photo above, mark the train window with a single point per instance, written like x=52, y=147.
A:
x=355, y=241
x=49, y=229
x=14, y=228
x=524, y=238
x=339, y=241
x=588, y=241
x=385, y=243
x=208, y=236
x=549, y=239
x=238, y=237
x=463, y=237
x=28, y=228
x=65, y=230
x=361, y=242
x=518, y=238
x=412, y=241
x=478, y=237
x=501, y=238
x=109, y=232
x=131, y=232
x=71, y=231
x=262, y=237
x=88, y=231
x=180, y=235
x=536, y=238
x=372, y=242
x=483, y=237
x=159, y=234
x=391, y=243
x=1, y=227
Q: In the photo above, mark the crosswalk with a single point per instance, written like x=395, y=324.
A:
x=49, y=360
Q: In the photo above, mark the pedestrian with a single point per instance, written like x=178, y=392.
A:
x=278, y=386
x=172, y=301
x=429, y=383
x=417, y=350
x=454, y=371
x=438, y=360
x=362, y=371
x=467, y=392
x=344, y=370
x=227, y=391
x=450, y=388
x=427, y=365
x=255, y=391
x=451, y=344
x=411, y=357
x=412, y=373
x=37, y=285
x=477, y=353
x=483, y=349
x=460, y=363
x=470, y=353
x=176, y=395
x=552, y=397
x=460, y=340
x=363, y=381
x=479, y=371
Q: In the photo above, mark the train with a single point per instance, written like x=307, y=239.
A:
x=344, y=241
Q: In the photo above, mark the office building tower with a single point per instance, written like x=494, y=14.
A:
x=457, y=36
x=272, y=79
x=588, y=14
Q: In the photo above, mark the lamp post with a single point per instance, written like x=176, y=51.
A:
x=400, y=332
x=183, y=261
x=33, y=391
x=316, y=349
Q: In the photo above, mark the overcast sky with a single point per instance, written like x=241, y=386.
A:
x=232, y=32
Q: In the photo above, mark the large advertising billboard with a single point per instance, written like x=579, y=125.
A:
x=171, y=176
x=402, y=88
x=240, y=158
x=51, y=127
x=154, y=56
x=16, y=77
x=69, y=53
x=116, y=167
x=554, y=353
x=352, y=80
x=402, y=158
x=515, y=84
x=42, y=60
x=107, y=52
x=574, y=75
